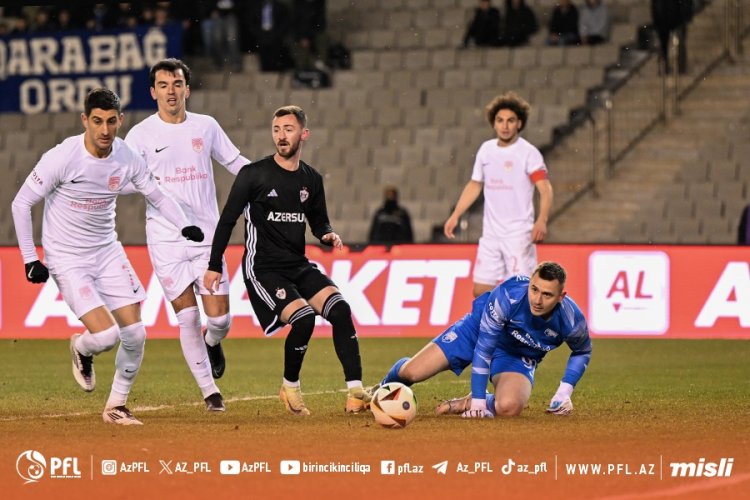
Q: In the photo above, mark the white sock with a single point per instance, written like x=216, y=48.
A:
x=127, y=363
x=217, y=328
x=353, y=383
x=290, y=384
x=91, y=344
x=194, y=350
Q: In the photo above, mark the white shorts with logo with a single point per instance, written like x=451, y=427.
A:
x=104, y=278
x=498, y=259
x=179, y=266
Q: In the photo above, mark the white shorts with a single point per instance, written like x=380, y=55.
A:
x=104, y=278
x=497, y=259
x=178, y=267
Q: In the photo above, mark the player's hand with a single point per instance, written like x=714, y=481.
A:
x=538, y=232
x=36, y=272
x=211, y=281
x=193, y=233
x=333, y=239
x=449, y=226
x=478, y=409
x=560, y=407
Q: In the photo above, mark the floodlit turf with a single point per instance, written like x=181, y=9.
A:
x=640, y=401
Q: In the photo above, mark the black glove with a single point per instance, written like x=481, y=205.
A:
x=193, y=233
x=36, y=272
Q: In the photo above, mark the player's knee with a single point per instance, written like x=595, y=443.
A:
x=189, y=318
x=407, y=372
x=133, y=337
x=303, y=321
x=508, y=407
x=108, y=338
x=336, y=309
x=220, y=323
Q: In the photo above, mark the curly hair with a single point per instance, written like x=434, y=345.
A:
x=511, y=101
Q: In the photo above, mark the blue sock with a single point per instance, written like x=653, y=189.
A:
x=392, y=375
x=490, y=403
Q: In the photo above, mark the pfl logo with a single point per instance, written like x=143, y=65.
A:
x=31, y=466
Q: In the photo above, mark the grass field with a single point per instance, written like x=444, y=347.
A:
x=642, y=403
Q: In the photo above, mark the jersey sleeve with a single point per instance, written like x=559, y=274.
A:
x=140, y=175
x=477, y=174
x=491, y=326
x=317, y=212
x=536, y=169
x=239, y=197
x=49, y=172
x=224, y=151
x=579, y=342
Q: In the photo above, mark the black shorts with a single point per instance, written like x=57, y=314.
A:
x=271, y=291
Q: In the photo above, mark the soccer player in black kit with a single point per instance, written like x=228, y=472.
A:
x=278, y=194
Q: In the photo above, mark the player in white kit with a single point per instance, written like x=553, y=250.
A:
x=79, y=180
x=178, y=146
x=506, y=170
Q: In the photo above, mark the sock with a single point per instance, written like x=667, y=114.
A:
x=339, y=314
x=490, y=403
x=392, y=375
x=217, y=328
x=90, y=344
x=194, y=350
x=127, y=363
x=289, y=384
x=351, y=384
x=295, y=346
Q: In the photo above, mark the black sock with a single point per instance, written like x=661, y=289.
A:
x=295, y=347
x=339, y=314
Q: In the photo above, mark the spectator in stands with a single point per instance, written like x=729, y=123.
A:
x=391, y=224
x=563, y=25
x=65, y=20
x=520, y=24
x=743, y=230
x=672, y=16
x=42, y=21
x=221, y=34
x=101, y=17
x=310, y=40
x=484, y=29
x=126, y=16
x=594, y=23
x=270, y=25
x=20, y=25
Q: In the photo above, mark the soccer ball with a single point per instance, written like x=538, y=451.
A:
x=394, y=405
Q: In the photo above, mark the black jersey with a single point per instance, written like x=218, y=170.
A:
x=277, y=203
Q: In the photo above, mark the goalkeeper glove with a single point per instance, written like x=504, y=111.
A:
x=561, y=403
x=36, y=272
x=193, y=233
x=478, y=410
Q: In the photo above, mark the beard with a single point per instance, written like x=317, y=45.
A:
x=293, y=148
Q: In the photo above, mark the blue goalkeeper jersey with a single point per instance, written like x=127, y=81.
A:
x=507, y=324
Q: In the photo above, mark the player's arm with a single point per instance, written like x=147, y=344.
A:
x=491, y=326
x=580, y=356
x=469, y=195
x=539, y=231
x=25, y=199
x=239, y=197
x=317, y=216
x=225, y=152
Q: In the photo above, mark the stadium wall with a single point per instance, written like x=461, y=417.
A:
x=418, y=290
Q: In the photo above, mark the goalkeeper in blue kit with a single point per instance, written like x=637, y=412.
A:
x=504, y=338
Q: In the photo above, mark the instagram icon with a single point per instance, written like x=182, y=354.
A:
x=109, y=467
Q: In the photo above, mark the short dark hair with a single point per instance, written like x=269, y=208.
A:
x=298, y=112
x=511, y=101
x=171, y=65
x=551, y=271
x=101, y=98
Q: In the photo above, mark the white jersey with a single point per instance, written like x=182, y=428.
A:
x=180, y=156
x=80, y=192
x=508, y=174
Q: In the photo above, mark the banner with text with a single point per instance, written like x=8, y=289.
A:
x=53, y=72
x=419, y=290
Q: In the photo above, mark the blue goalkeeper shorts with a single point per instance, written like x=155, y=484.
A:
x=458, y=347
x=503, y=361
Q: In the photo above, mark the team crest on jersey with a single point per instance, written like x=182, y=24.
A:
x=280, y=293
x=508, y=165
x=85, y=292
x=450, y=337
x=114, y=183
x=550, y=333
x=197, y=144
x=304, y=194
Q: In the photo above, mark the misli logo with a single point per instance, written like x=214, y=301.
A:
x=31, y=465
x=701, y=468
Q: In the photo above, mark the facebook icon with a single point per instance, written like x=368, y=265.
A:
x=387, y=467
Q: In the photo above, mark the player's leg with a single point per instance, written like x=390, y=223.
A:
x=301, y=317
x=216, y=307
x=489, y=267
x=513, y=378
x=519, y=255
x=330, y=304
x=428, y=362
